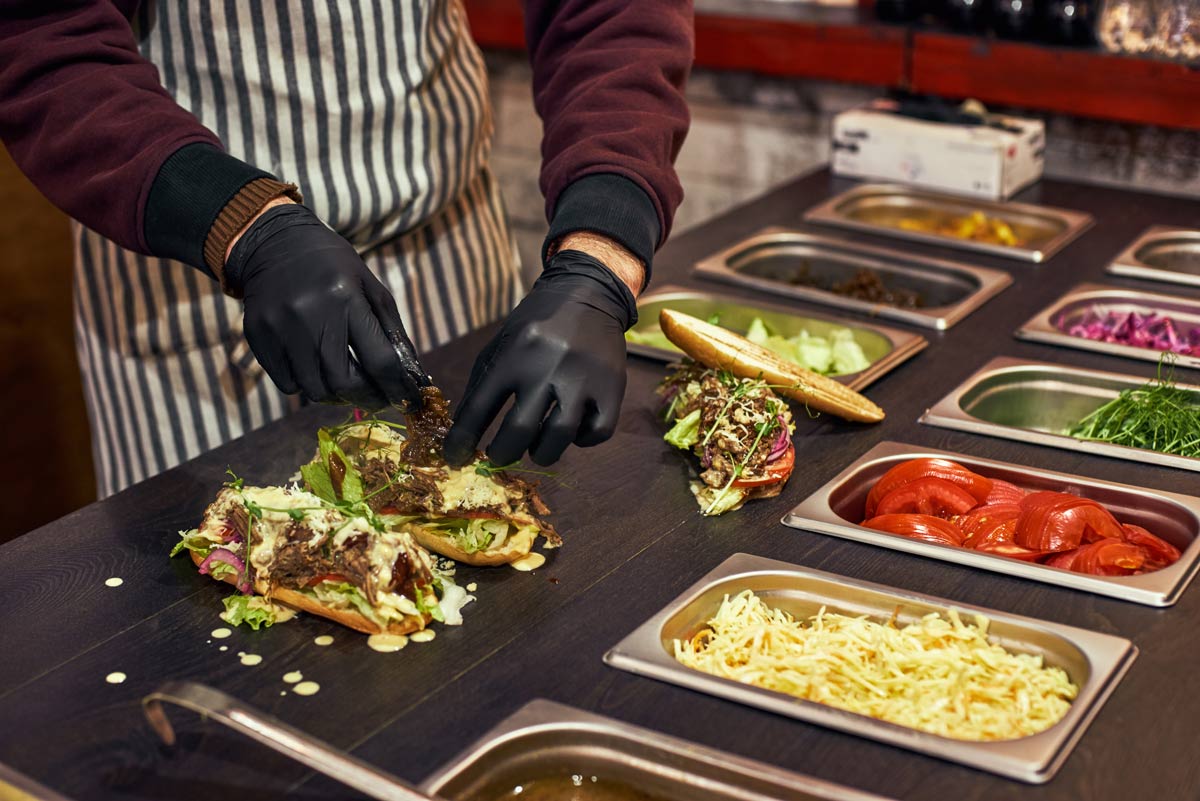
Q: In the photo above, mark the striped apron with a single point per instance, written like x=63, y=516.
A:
x=378, y=110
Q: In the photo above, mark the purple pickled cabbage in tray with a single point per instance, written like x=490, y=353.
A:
x=1140, y=330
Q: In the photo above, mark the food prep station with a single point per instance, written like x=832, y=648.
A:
x=640, y=566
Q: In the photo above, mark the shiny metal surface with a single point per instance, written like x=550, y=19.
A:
x=772, y=260
x=837, y=508
x=1162, y=253
x=885, y=347
x=1050, y=325
x=276, y=735
x=15, y=786
x=879, y=209
x=548, y=739
x=1095, y=662
x=1037, y=402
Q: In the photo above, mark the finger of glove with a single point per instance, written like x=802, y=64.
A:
x=341, y=372
x=271, y=357
x=521, y=426
x=388, y=314
x=558, y=431
x=482, y=401
x=378, y=358
x=602, y=414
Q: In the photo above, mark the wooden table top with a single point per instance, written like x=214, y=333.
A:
x=633, y=540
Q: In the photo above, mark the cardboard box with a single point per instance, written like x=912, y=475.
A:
x=973, y=160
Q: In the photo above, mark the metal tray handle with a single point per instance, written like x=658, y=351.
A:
x=276, y=735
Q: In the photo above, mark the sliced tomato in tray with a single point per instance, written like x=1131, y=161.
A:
x=1004, y=492
x=1057, y=521
x=927, y=496
x=1107, y=557
x=918, y=527
x=1157, y=549
x=914, y=469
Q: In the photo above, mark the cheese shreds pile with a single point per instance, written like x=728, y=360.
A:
x=938, y=675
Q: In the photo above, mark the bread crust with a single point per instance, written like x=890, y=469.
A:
x=515, y=547
x=347, y=617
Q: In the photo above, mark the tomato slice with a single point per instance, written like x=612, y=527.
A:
x=1107, y=557
x=1004, y=492
x=982, y=521
x=918, y=527
x=1058, y=521
x=911, y=470
x=337, y=577
x=927, y=496
x=777, y=471
x=1160, y=552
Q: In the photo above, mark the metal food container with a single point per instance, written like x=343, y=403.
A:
x=775, y=260
x=885, y=347
x=880, y=209
x=1037, y=402
x=1051, y=324
x=1162, y=253
x=1094, y=662
x=837, y=508
x=544, y=739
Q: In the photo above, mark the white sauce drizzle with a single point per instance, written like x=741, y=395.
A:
x=293, y=677
x=251, y=660
x=116, y=677
x=528, y=562
x=221, y=633
x=306, y=688
x=114, y=582
x=387, y=643
x=323, y=640
x=424, y=635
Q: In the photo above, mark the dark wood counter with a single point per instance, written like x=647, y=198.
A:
x=634, y=539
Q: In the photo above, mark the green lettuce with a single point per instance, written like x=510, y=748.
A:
x=471, y=535
x=253, y=611
x=686, y=431
x=192, y=541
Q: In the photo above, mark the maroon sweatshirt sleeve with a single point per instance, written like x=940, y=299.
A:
x=608, y=80
x=86, y=118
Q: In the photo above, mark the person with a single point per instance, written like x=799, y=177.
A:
x=279, y=201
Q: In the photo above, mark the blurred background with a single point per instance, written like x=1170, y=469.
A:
x=1115, y=82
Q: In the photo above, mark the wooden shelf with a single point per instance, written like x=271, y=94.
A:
x=849, y=46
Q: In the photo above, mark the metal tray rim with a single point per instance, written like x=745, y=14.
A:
x=1076, y=222
x=541, y=715
x=1160, y=588
x=1041, y=328
x=1128, y=264
x=905, y=344
x=1108, y=656
x=948, y=413
x=940, y=318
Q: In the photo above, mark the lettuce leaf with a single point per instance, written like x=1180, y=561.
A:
x=472, y=535
x=253, y=611
x=686, y=431
x=345, y=594
x=217, y=569
x=192, y=541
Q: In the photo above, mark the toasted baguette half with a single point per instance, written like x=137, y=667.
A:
x=346, y=617
x=722, y=349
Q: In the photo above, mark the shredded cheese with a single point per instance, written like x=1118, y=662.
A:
x=937, y=675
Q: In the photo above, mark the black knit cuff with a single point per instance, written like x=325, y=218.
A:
x=610, y=205
x=191, y=188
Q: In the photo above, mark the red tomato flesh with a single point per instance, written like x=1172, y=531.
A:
x=913, y=469
x=1004, y=492
x=926, y=496
x=918, y=527
x=776, y=471
x=1057, y=521
x=1160, y=552
x=1107, y=557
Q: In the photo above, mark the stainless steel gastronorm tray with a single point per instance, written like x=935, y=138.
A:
x=547, y=739
x=884, y=346
x=837, y=508
x=1050, y=325
x=773, y=260
x=1036, y=402
x=1162, y=253
x=878, y=209
x=1095, y=662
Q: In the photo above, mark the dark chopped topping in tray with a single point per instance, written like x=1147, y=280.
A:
x=865, y=285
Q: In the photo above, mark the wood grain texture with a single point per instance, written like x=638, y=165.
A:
x=634, y=540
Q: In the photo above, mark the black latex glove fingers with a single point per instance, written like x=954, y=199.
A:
x=561, y=356
x=316, y=318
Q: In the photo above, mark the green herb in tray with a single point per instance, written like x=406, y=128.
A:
x=1155, y=417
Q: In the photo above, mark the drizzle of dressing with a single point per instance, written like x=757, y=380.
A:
x=472, y=587
x=224, y=648
x=116, y=677
x=251, y=659
x=293, y=677
x=306, y=688
x=387, y=643
x=114, y=582
x=528, y=562
x=221, y=633
x=424, y=635
x=323, y=640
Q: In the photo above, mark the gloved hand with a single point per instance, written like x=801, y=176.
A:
x=310, y=299
x=562, y=354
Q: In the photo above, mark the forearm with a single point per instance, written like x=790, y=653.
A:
x=611, y=254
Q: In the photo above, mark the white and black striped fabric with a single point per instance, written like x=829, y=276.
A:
x=378, y=110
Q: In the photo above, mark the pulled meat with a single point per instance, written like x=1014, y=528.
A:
x=427, y=429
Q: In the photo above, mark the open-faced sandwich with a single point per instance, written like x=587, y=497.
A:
x=478, y=514
x=739, y=430
x=287, y=549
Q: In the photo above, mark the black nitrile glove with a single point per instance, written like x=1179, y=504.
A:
x=562, y=354
x=310, y=299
